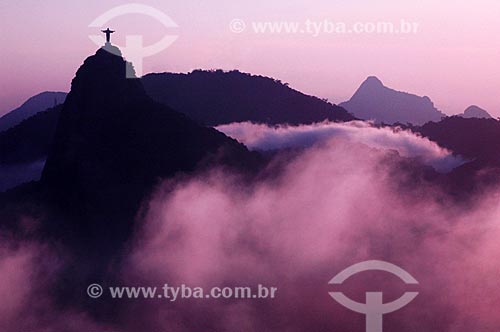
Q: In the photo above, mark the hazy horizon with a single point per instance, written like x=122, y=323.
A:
x=452, y=58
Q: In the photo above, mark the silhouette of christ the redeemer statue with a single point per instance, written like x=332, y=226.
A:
x=108, y=34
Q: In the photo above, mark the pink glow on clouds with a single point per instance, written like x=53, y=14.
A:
x=333, y=205
x=453, y=58
x=28, y=271
x=407, y=144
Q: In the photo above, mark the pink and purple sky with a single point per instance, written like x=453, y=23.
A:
x=453, y=58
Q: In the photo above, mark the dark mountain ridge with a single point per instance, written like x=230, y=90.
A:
x=472, y=138
x=200, y=94
x=219, y=97
x=29, y=140
x=475, y=112
x=24, y=148
x=112, y=144
x=30, y=107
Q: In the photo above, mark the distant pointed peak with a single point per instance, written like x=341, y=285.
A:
x=373, y=81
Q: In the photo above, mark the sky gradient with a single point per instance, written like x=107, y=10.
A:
x=453, y=58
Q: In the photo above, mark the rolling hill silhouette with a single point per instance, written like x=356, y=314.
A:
x=218, y=97
x=111, y=121
x=200, y=95
x=24, y=148
x=30, y=140
x=477, y=139
x=32, y=106
x=475, y=112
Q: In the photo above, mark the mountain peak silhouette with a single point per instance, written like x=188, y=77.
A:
x=113, y=144
x=103, y=76
x=374, y=101
x=372, y=82
x=476, y=112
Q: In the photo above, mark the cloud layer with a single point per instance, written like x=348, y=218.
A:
x=332, y=205
x=408, y=144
